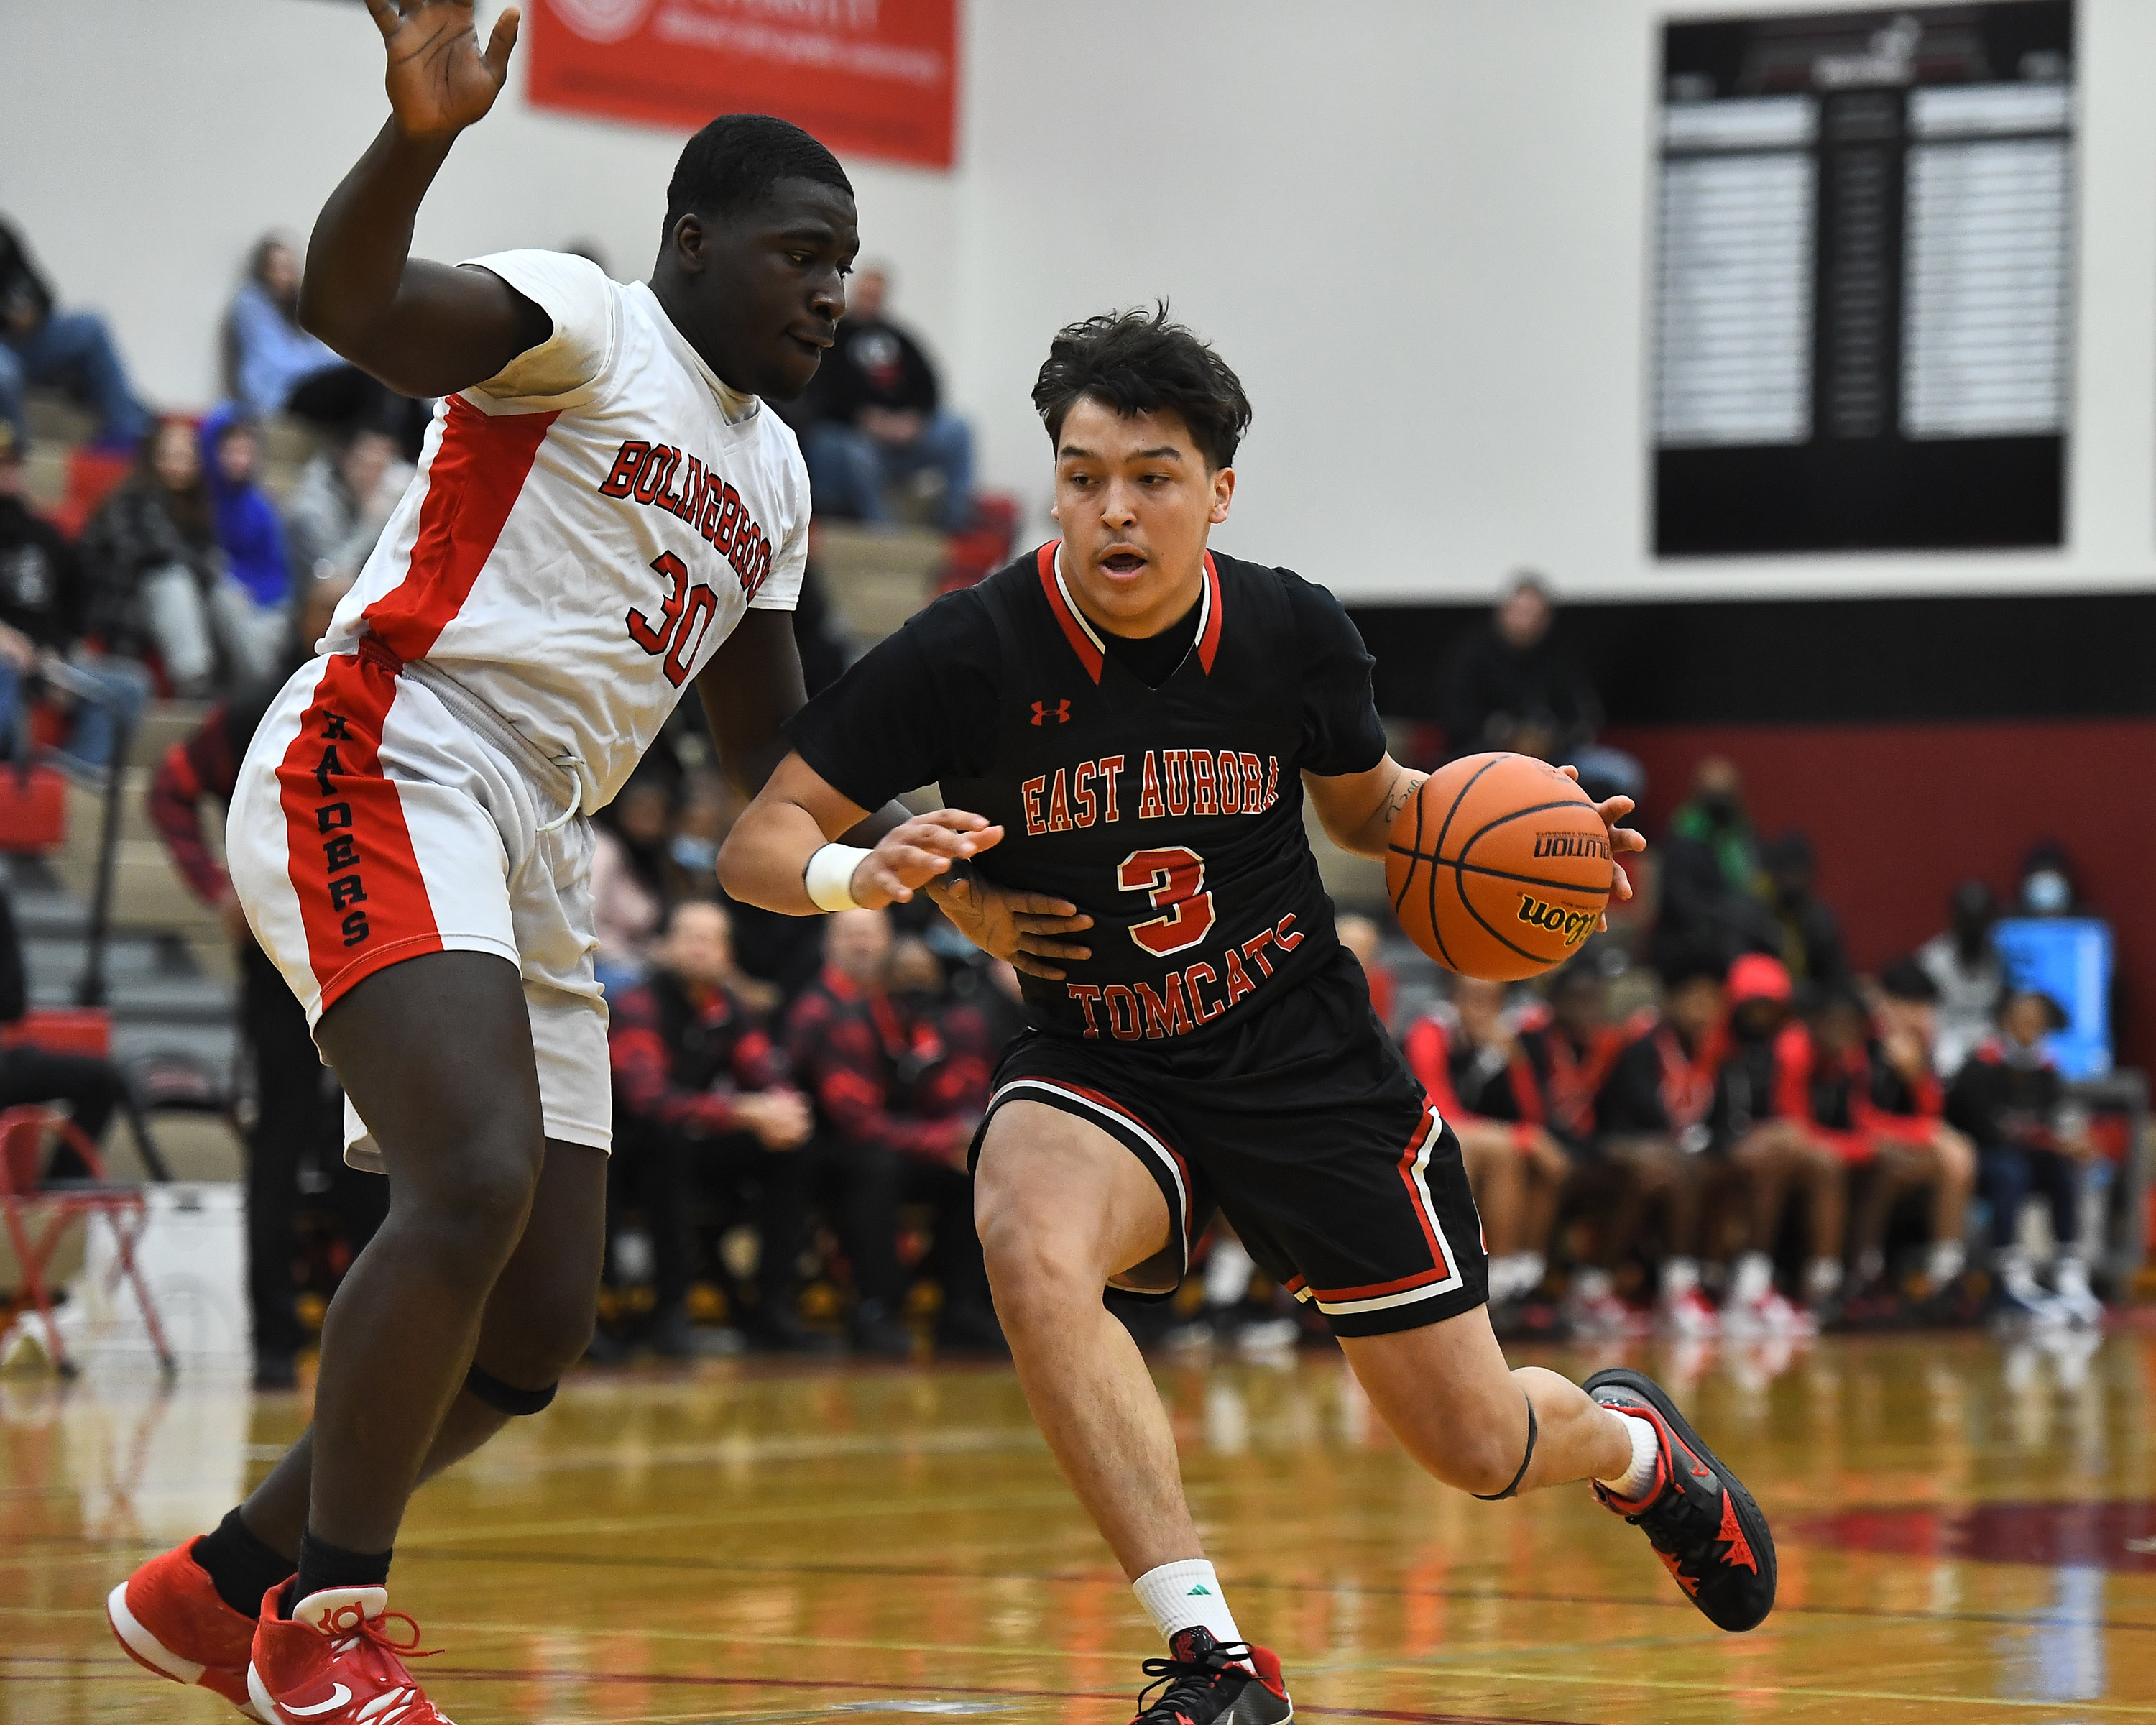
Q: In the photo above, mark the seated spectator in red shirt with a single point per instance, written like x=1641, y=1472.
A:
x=2011, y=1100
x=1654, y=1112
x=1762, y=1128
x=1360, y=936
x=900, y=1081
x=701, y=1100
x=1872, y=1095
x=1480, y=1081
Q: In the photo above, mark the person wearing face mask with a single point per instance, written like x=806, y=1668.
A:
x=2011, y=1098
x=1963, y=964
x=1810, y=933
x=1710, y=875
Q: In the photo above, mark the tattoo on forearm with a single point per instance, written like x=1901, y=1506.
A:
x=1402, y=792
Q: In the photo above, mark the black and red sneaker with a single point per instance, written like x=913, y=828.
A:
x=1702, y=1522
x=1202, y=1681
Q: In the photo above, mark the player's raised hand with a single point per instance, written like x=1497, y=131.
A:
x=1621, y=839
x=1019, y=927
x=439, y=81
x=910, y=856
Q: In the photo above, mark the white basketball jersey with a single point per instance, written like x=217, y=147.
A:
x=586, y=527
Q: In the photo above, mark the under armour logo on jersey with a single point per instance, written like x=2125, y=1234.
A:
x=1042, y=712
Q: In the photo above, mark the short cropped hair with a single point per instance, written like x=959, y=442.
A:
x=1131, y=363
x=731, y=165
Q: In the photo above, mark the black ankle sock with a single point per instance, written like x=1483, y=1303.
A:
x=322, y=1565
x=240, y=1567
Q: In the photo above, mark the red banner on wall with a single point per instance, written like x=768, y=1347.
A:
x=869, y=77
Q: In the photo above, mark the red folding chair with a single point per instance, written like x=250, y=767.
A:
x=24, y=1193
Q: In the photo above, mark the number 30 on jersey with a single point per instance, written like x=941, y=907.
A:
x=679, y=628
x=1174, y=881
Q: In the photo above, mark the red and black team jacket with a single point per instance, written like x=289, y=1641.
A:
x=1658, y=1086
x=682, y=1053
x=1467, y=1083
x=1998, y=1103
x=1570, y=1073
x=205, y=763
x=885, y=1073
x=1857, y=1100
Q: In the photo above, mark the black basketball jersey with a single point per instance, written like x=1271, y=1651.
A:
x=1172, y=815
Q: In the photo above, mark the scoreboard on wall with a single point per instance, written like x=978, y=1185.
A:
x=1864, y=291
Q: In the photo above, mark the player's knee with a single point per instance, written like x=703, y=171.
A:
x=550, y=1336
x=473, y=1206
x=1034, y=1260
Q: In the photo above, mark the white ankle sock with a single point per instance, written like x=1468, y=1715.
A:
x=1753, y=1279
x=1679, y=1277
x=1822, y=1277
x=1947, y=1256
x=1184, y=1595
x=1633, y=1483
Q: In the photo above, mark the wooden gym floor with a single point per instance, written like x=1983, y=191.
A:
x=1967, y=1530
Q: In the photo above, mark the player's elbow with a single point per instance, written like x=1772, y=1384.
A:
x=748, y=870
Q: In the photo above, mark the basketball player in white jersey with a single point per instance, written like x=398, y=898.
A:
x=604, y=512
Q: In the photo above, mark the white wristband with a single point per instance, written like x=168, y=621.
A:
x=829, y=877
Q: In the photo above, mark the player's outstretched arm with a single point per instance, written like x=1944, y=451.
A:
x=765, y=860
x=1357, y=810
x=423, y=329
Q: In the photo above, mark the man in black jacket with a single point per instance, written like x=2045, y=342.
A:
x=879, y=417
x=41, y=344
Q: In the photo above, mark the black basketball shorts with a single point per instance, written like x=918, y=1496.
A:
x=1304, y=1128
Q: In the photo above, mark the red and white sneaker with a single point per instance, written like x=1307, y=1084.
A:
x=332, y=1663
x=169, y=1618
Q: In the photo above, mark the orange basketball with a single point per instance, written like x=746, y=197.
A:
x=1501, y=868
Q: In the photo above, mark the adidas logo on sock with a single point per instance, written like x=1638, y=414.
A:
x=1200, y=1589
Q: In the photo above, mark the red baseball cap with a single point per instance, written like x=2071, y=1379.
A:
x=1755, y=976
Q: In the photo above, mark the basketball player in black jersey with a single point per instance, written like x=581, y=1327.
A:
x=1128, y=722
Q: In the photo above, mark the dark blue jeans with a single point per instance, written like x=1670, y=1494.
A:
x=74, y=347
x=2007, y=1174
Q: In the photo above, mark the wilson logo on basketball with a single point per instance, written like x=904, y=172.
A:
x=1575, y=926
x=1571, y=845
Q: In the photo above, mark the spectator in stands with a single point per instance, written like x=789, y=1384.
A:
x=1360, y=936
x=1809, y=942
x=248, y=530
x=40, y=344
x=159, y=576
x=900, y=1081
x=1878, y=1104
x=1710, y=875
x=1480, y=1079
x=1656, y=1112
x=2011, y=1100
x=630, y=839
x=1571, y=1046
x=90, y=1086
x=1963, y=964
x=45, y=605
x=278, y=367
x=879, y=417
x=299, y=1109
x=701, y=1101
x=336, y=512
x=1761, y=1126
x=1517, y=685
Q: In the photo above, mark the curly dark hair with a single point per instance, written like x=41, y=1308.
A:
x=1132, y=362
x=730, y=166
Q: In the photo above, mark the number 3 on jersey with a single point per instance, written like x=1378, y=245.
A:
x=682, y=621
x=1173, y=880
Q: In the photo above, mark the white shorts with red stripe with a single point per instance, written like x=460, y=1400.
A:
x=383, y=812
